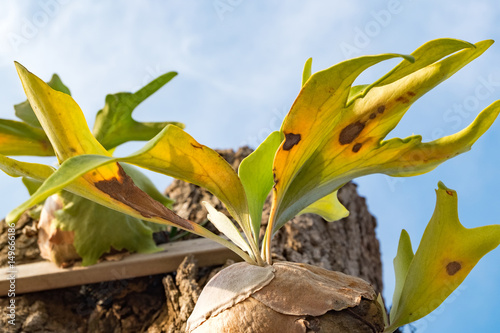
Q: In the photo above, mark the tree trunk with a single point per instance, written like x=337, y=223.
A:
x=162, y=303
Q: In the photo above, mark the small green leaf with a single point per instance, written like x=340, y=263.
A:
x=24, y=110
x=114, y=124
x=306, y=74
x=57, y=84
x=328, y=207
x=16, y=168
x=401, y=264
x=380, y=301
x=18, y=138
x=447, y=253
x=256, y=175
x=31, y=184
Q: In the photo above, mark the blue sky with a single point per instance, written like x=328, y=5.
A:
x=239, y=65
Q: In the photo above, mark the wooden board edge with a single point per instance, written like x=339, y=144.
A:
x=45, y=275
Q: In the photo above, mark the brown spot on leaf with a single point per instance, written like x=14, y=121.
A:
x=373, y=115
x=351, y=132
x=125, y=191
x=381, y=109
x=356, y=147
x=291, y=140
x=453, y=267
x=411, y=93
x=449, y=193
x=197, y=146
x=403, y=100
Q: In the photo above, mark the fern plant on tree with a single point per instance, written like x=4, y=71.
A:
x=333, y=133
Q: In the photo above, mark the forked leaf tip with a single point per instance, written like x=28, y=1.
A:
x=448, y=191
x=441, y=186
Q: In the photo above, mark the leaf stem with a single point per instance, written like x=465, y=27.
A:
x=200, y=231
x=252, y=242
x=255, y=250
x=268, y=236
x=266, y=242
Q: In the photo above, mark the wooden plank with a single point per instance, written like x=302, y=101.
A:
x=45, y=275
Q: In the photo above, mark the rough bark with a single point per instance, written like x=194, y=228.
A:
x=26, y=241
x=162, y=303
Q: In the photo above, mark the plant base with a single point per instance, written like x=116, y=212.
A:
x=286, y=297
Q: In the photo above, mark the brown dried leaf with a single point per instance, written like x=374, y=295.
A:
x=252, y=316
x=55, y=244
x=285, y=297
x=228, y=288
x=319, y=290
